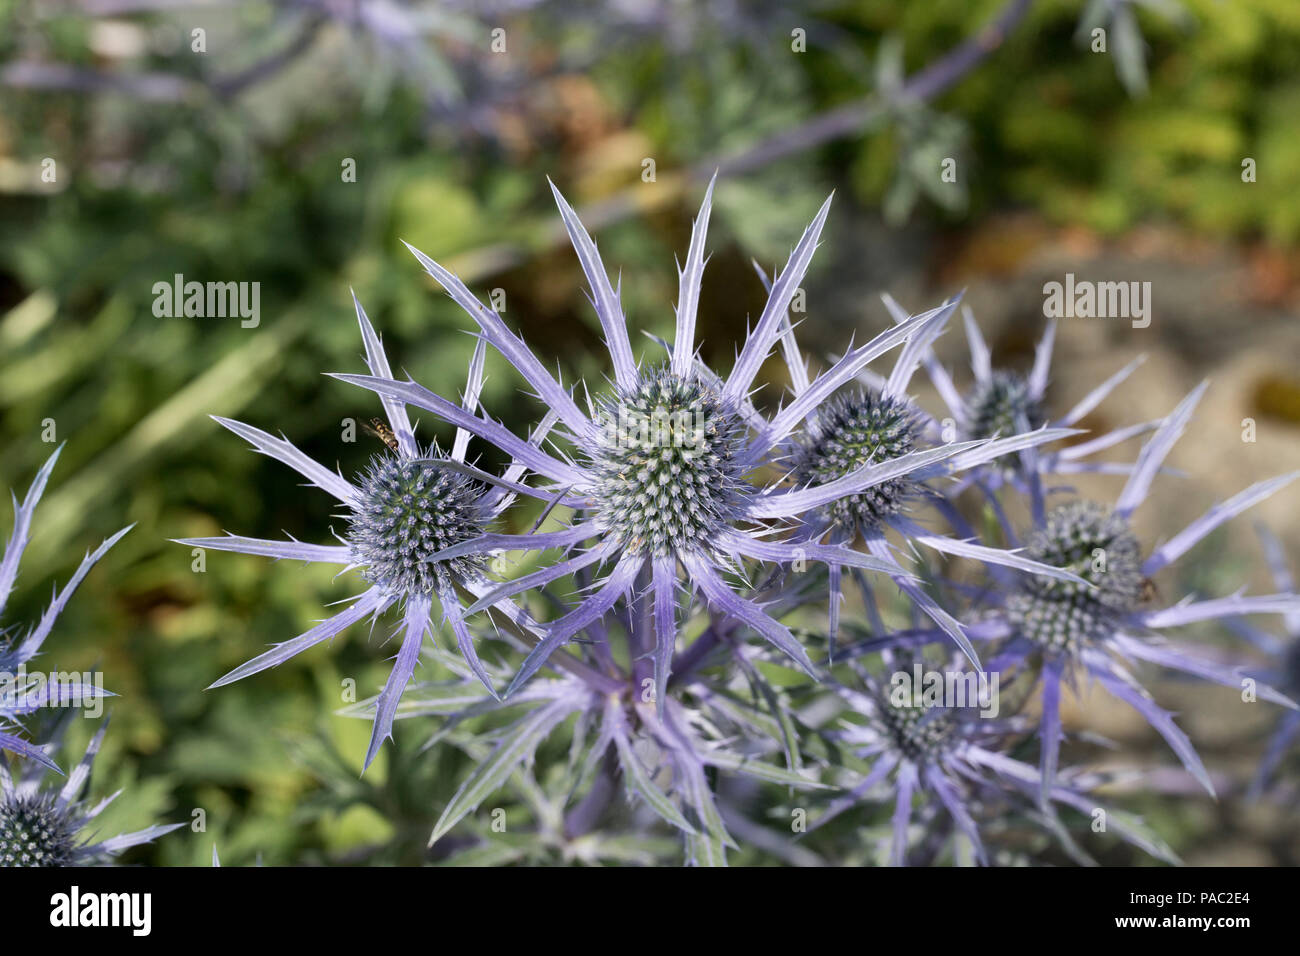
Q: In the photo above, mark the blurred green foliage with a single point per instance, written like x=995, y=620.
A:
x=251, y=190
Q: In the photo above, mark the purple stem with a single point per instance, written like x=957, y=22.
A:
x=850, y=117
x=582, y=818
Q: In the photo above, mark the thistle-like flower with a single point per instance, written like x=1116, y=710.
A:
x=410, y=516
x=19, y=696
x=956, y=759
x=44, y=826
x=1101, y=630
x=665, y=469
x=1007, y=402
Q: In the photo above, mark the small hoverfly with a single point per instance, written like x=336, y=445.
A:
x=1150, y=592
x=379, y=428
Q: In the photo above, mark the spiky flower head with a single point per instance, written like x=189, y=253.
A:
x=43, y=826
x=1004, y=404
x=855, y=429
x=34, y=831
x=919, y=731
x=1101, y=629
x=1007, y=402
x=667, y=467
x=410, y=506
x=944, y=749
x=1096, y=544
x=405, y=511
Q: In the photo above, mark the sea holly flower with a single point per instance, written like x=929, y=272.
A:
x=664, y=467
x=1066, y=631
x=1006, y=402
x=407, y=512
x=954, y=759
x=20, y=697
x=53, y=826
